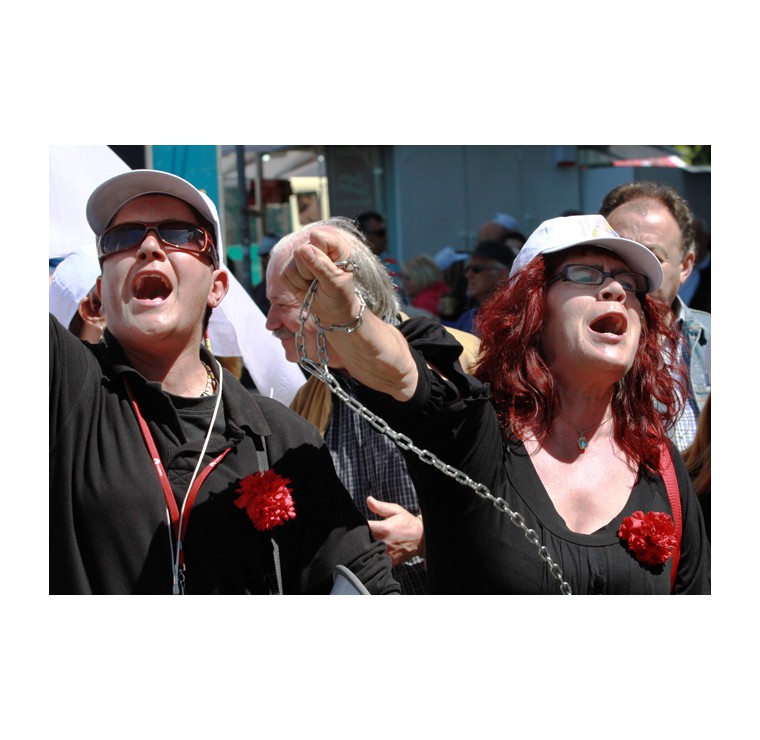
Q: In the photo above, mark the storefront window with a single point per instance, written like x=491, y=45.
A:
x=269, y=190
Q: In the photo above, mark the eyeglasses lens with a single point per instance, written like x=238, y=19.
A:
x=587, y=275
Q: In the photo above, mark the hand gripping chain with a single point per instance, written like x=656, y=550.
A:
x=320, y=370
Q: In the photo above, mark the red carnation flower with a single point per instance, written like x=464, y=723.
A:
x=266, y=498
x=650, y=537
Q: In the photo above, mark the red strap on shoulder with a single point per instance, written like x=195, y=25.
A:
x=668, y=472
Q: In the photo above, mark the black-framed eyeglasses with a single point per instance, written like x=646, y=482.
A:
x=172, y=234
x=633, y=282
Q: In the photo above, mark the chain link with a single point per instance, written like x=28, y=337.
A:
x=319, y=369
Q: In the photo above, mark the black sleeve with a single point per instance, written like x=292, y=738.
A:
x=441, y=404
x=70, y=371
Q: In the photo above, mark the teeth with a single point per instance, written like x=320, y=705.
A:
x=151, y=286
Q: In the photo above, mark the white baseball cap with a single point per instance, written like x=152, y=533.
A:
x=72, y=280
x=447, y=256
x=110, y=196
x=565, y=232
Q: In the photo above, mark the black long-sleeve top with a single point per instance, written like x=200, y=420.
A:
x=108, y=522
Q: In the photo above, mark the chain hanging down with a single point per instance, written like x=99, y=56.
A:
x=320, y=370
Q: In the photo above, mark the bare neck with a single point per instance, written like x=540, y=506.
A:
x=585, y=404
x=180, y=374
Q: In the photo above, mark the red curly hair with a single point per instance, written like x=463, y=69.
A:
x=646, y=401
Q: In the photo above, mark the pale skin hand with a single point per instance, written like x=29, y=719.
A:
x=376, y=354
x=400, y=530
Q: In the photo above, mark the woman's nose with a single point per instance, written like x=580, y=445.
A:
x=612, y=290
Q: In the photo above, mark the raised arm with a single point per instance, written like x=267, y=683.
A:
x=376, y=353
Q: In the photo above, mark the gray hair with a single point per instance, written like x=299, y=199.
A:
x=371, y=277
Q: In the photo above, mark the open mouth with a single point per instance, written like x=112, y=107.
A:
x=151, y=287
x=611, y=323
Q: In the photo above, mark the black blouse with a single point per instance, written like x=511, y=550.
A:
x=473, y=547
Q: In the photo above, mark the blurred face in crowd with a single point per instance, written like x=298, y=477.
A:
x=377, y=235
x=650, y=223
x=483, y=275
x=492, y=230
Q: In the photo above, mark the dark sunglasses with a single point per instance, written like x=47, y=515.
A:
x=377, y=232
x=172, y=234
x=633, y=282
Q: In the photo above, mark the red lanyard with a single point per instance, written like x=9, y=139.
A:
x=179, y=520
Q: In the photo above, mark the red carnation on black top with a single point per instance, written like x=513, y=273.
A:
x=651, y=537
x=267, y=499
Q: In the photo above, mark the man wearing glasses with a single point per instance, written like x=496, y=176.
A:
x=372, y=225
x=166, y=474
x=487, y=268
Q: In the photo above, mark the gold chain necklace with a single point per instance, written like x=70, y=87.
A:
x=582, y=441
x=210, y=388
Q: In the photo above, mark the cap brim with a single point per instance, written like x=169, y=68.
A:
x=636, y=256
x=106, y=200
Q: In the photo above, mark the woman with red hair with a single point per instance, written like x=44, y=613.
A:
x=561, y=432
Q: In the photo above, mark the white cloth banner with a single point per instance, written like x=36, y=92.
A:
x=75, y=171
x=237, y=329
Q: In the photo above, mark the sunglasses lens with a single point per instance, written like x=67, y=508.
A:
x=119, y=238
x=181, y=234
x=172, y=233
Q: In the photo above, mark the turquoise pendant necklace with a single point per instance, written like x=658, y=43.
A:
x=582, y=441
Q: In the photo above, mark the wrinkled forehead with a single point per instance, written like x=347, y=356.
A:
x=278, y=258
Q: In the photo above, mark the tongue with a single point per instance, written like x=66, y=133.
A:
x=605, y=325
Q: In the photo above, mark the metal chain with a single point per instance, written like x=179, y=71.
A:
x=320, y=370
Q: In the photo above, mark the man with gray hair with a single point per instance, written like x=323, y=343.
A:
x=370, y=465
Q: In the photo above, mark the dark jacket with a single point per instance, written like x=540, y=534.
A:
x=108, y=522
